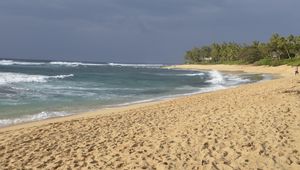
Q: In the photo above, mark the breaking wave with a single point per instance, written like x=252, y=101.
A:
x=11, y=62
x=216, y=78
x=74, y=64
x=135, y=65
x=30, y=118
x=193, y=74
x=8, y=78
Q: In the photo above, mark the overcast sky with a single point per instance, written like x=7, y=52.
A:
x=136, y=31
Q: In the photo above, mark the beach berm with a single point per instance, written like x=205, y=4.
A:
x=253, y=126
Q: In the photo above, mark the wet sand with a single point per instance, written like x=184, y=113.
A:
x=253, y=126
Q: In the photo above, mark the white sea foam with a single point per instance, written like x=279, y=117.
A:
x=135, y=65
x=29, y=118
x=8, y=78
x=65, y=63
x=193, y=74
x=61, y=76
x=11, y=62
x=170, y=74
x=74, y=64
x=232, y=79
x=216, y=77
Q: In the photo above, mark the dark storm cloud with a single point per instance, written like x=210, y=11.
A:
x=135, y=30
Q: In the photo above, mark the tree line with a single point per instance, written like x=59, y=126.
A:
x=277, y=51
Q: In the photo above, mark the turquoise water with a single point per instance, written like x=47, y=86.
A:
x=31, y=90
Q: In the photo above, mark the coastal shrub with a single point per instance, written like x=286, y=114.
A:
x=233, y=62
x=264, y=61
x=294, y=61
x=250, y=55
x=277, y=51
x=269, y=62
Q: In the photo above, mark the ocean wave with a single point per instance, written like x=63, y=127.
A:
x=76, y=88
x=74, y=64
x=136, y=65
x=8, y=78
x=30, y=118
x=172, y=74
x=236, y=79
x=61, y=76
x=11, y=62
x=216, y=78
x=193, y=74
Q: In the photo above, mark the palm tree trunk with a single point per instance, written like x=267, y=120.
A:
x=287, y=51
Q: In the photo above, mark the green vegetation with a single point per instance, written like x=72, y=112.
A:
x=278, y=50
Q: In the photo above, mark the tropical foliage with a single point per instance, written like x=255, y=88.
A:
x=278, y=50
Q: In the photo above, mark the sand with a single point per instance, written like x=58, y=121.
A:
x=254, y=126
x=285, y=71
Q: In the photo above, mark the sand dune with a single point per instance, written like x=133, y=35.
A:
x=254, y=126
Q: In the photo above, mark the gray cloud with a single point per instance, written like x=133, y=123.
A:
x=135, y=30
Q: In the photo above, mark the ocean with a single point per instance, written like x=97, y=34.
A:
x=36, y=90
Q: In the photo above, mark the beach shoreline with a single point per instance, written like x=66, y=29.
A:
x=282, y=71
x=249, y=126
x=119, y=108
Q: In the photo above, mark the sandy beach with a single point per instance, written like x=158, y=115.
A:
x=253, y=126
